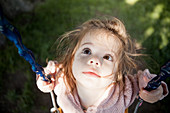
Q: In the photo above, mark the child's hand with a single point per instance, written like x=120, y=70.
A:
x=50, y=69
x=150, y=96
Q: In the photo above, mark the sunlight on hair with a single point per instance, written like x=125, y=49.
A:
x=131, y=2
x=157, y=11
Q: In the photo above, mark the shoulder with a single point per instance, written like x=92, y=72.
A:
x=130, y=89
x=130, y=81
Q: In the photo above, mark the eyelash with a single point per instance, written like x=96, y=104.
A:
x=108, y=57
x=87, y=51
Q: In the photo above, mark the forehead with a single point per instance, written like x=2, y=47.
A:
x=103, y=38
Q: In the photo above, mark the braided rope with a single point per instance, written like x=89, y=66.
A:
x=13, y=35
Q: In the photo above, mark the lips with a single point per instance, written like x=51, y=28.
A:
x=91, y=74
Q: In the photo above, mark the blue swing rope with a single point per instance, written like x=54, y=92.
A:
x=14, y=36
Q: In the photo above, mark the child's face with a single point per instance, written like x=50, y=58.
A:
x=95, y=63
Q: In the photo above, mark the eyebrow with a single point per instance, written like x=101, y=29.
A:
x=87, y=43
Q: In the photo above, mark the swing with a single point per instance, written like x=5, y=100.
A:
x=13, y=35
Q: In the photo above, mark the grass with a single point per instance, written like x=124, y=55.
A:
x=146, y=21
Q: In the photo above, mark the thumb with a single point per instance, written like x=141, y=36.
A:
x=145, y=77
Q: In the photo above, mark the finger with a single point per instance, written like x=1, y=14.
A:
x=152, y=93
x=145, y=79
x=47, y=88
x=42, y=82
x=145, y=96
x=142, y=79
x=51, y=67
x=148, y=74
x=59, y=66
x=151, y=96
x=52, y=79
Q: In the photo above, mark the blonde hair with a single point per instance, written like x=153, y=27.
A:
x=127, y=52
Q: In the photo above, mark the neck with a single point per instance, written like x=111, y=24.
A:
x=89, y=96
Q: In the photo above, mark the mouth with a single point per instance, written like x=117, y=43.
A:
x=92, y=74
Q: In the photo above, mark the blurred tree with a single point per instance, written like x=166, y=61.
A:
x=14, y=7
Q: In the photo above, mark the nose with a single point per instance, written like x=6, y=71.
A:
x=94, y=61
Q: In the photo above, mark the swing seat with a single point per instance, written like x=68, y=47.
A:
x=60, y=110
x=126, y=110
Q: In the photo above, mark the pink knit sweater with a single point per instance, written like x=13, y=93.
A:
x=113, y=101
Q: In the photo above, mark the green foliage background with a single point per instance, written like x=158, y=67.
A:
x=147, y=21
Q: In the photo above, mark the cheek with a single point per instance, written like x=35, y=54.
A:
x=107, y=69
x=77, y=66
x=74, y=68
x=80, y=60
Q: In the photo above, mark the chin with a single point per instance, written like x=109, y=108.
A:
x=94, y=84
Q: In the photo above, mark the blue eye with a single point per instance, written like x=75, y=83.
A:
x=108, y=57
x=86, y=51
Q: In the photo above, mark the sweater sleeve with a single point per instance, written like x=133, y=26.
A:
x=134, y=83
x=144, y=77
x=165, y=90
